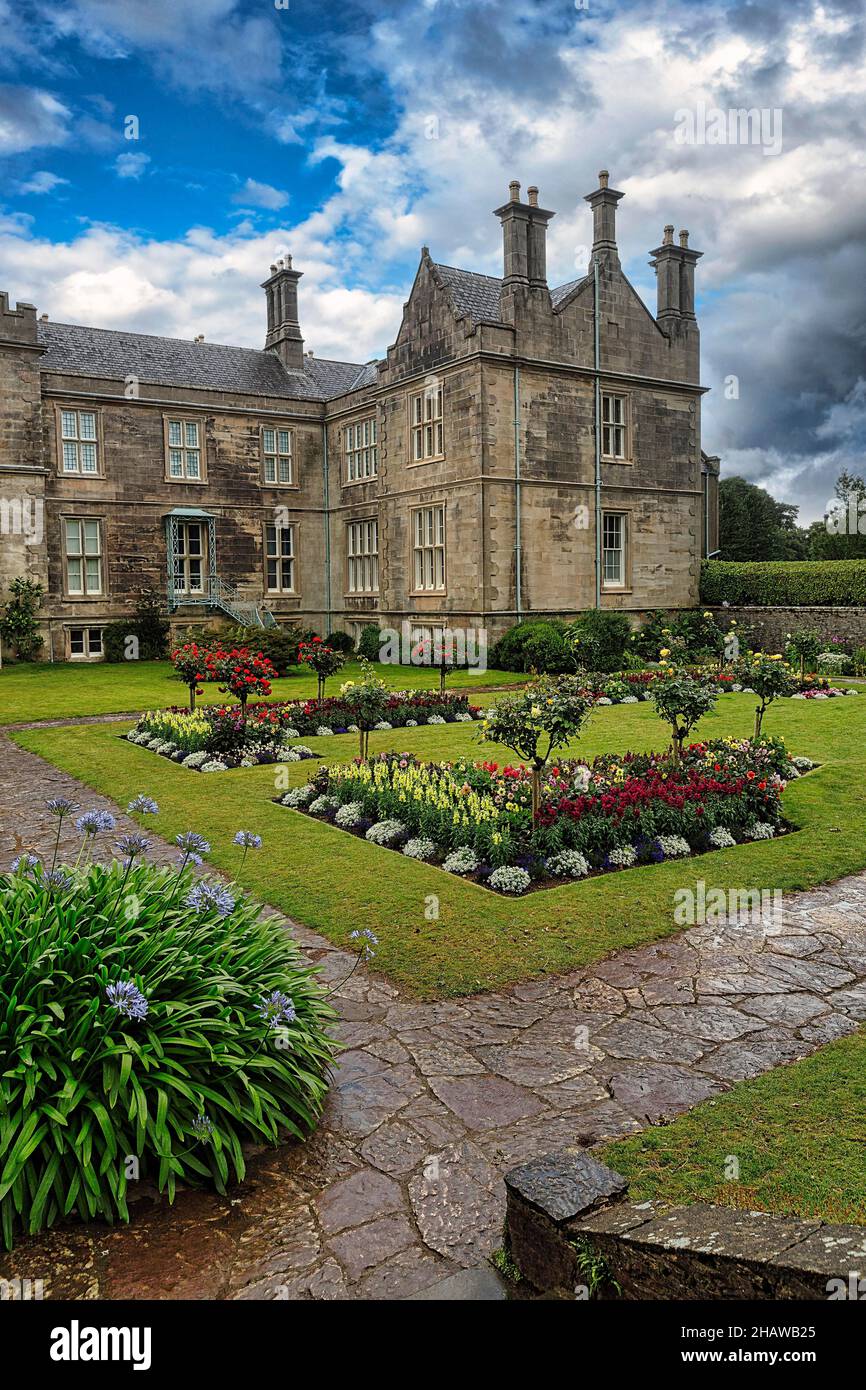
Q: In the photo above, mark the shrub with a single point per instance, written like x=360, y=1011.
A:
x=768, y=677
x=19, y=626
x=598, y=639
x=543, y=717
x=833, y=663
x=322, y=659
x=537, y=644
x=681, y=700
x=148, y=1034
x=783, y=583
x=147, y=624
x=370, y=642
x=385, y=832
x=340, y=642
x=278, y=644
x=461, y=861
x=802, y=649
x=419, y=848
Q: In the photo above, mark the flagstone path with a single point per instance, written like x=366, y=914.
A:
x=401, y=1188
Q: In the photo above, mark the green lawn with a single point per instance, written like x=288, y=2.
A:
x=798, y=1133
x=67, y=690
x=333, y=881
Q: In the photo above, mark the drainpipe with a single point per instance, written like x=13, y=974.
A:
x=518, y=553
x=597, y=366
x=327, y=508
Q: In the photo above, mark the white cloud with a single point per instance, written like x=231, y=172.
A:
x=131, y=166
x=30, y=118
x=261, y=195
x=42, y=181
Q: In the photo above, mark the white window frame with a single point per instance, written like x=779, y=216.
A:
x=185, y=558
x=184, y=459
x=614, y=427
x=278, y=456
x=87, y=652
x=361, y=449
x=614, y=543
x=429, y=549
x=426, y=429
x=284, y=560
x=90, y=562
x=362, y=556
x=77, y=447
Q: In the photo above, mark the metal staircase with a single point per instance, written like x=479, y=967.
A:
x=227, y=598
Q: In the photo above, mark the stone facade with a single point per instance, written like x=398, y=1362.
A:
x=471, y=446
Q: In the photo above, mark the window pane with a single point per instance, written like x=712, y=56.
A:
x=192, y=465
x=285, y=442
x=91, y=537
x=175, y=463
x=70, y=458
x=92, y=571
x=285, y=470
x=76, y=641
x=174, y=432
x=73, y=538
x=68, y=424
x=269, y=437
x=87, y=425
x=270, y=470
x=191, y=434
x=94, y=640
x=88, y=458
x=74, y=576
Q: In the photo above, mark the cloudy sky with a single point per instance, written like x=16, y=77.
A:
x=156, y=157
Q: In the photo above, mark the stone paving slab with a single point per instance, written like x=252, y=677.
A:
x=400, y=1192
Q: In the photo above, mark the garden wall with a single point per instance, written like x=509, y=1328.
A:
x=569, y=1226
x=771, y=625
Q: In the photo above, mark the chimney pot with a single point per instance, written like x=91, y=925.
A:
x=514, y=191
x=684, y=238
x=200, y=338
x=603, y=178
x=668, y=239
x=532, y=195
x=44, y=318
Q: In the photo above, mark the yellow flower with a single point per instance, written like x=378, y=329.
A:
x=665, y=651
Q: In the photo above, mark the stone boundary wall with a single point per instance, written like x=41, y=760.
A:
x=770, y=625
x=567, y=1214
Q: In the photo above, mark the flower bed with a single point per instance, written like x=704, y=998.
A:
x=475, y=818
x=218, y=737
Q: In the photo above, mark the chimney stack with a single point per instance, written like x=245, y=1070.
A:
x=675, y=274
x=524, y=240
x=284, y=329
x=603, y=203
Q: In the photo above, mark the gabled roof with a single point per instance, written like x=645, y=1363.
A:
x=478, y=296
x=107, y=353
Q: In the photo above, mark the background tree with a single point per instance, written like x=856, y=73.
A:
x=19, y=625
x=754, y=526
x=838, y=535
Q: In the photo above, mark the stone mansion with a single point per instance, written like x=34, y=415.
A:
x=521, y=450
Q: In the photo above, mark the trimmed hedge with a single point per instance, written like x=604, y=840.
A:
x=784, y=583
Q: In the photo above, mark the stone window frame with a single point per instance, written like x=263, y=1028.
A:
x=59, y=410
x=626, y=586
x=86, y=629
x=277, y=426
x=372, y=520
x=438, y=504
x=434, y=422
x=617, y=393
x=86, y=595
x=185, y=417
x=357, y=451
x=279, y=591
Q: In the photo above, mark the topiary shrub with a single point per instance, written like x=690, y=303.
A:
x=784, y=583
x=598, y=639
x=340, y=642
x=150, y=1025
x=370, y=642
x=538, y=645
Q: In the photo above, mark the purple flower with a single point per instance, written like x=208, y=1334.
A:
x=24, y=863
x=58, y=878
x=192, y=843
x=277, y=1009
x=60, y=806
x=128, y=999
x=190, y=858
x=210, y=897
x=131, y=845
x=202, y=1125
x=248, y=840
x=368, y=941
x=144, y=805
x=92, y=822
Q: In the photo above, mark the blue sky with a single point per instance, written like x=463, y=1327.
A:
x=352, y=133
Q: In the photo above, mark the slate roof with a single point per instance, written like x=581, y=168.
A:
x=561, y=293
x=478, y=296
x=112, y=355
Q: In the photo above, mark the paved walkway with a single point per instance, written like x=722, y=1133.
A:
x=401, y=1186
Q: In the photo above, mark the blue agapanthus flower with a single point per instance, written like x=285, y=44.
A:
x=247, y=840
x=277, y=1009
x=92, y=822
x=132, y=845
x=143, y=805
x=60, y=806
x=202, y=1126
x=368, y=940
x=183, y=860
x=192, y=843
x=210, y=897
x=127, y=998
x=23, y=863
x=59, y=878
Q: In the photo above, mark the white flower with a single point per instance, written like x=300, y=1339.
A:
x=461, y=861
x=603, y=700
x=624, y=857
x=349, y=815
x=385, y=832
x=298, y=796
x=383, y=726
x=509, y=879
x=761, y=830
x=214, y=765
x=420, y=848
x=322, y=805
x=569, y=863
x=720, y=838
x=436, y=719
x=674, y=846
x=323, y=731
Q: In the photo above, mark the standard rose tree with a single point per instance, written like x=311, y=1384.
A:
x=322, y=659
x=241, y=673
x=366, y=700
x=190, y=668
x=545, y=716
x=681, y=700
x=769, y=677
